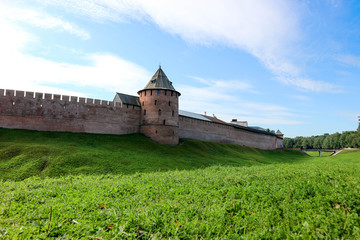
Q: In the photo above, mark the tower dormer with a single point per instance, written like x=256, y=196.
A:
x=160, y=109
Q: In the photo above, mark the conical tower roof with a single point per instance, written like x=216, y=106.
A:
x=159, y=81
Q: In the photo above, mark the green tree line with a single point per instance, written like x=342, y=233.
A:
x=346, y=139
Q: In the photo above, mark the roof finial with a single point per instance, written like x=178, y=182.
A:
x=159, y=65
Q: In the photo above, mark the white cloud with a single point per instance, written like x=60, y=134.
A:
x=226, y=85
x=266, y=29
x=301, y=97
x=41, y=20
x=217, y=97
x=269, y=30
x=349, y=60
x=21, y=71
x=315, y=86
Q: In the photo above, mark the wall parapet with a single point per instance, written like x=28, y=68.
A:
x=62, y=98
x=55, y=112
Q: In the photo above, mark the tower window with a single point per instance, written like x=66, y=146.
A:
x=159, y=112
x=169, y=103
x=144, y=111
x=145, y=93
x=158, y=92
x=172, y=93
x=143, y=103
x=164, y=121
x=165, y=92
x=173, y=113
x=151, y=92
x=155, y=102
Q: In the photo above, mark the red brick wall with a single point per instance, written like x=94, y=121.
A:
x=48, y=112
x=215, y=132
x=165, y=135
x=161, y=128
x=147, y=101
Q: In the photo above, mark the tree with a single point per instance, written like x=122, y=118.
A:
x=288, y=143
x=305, y=143
x=327, y=142
x=317, y=142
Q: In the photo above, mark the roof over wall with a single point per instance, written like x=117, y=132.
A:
x=193, y=115
x=216, y=120
x=127, y=99
x=160, y=81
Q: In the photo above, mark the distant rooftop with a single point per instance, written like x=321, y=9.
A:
x=214, y=119
x=159, y=81
x=127, y=99
x=193, y=115
x=278, y=132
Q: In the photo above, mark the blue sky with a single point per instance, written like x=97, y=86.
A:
x=279, y=64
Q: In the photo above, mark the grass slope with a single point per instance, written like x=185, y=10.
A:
x=316, y=199
x=207, y=195
x=31, y=153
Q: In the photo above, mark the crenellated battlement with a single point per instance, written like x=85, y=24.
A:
x=55, y=112
x=13, y=94
x=157, y=116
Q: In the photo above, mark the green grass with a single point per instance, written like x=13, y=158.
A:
x=31, y=153
x=278, y=195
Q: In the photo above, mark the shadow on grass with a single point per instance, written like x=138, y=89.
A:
x=25, y=153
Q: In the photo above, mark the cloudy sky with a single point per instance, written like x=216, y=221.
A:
x=279, y=64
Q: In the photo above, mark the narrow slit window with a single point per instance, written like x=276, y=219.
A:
x=159, y=112
x=158, y=92
x=165, y=92
x=173, y=113
x=164, y=122
x=151, y=92
x=155, y=102
x=169, y=103
x=172, y=93
x=143, y=103
x=144, y=111
x=145, y=93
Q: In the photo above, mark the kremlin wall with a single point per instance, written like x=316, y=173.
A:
x=153, y=113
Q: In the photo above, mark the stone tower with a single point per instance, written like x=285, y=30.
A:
x=160, y=110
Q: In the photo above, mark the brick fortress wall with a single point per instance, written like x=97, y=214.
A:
x=217, y=132
x=160, y=115
x=51, y=112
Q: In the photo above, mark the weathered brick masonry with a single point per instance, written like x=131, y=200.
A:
x=224, y=133
x=51, y=112
x=154, y=113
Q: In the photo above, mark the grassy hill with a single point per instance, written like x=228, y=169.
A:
x=202, y=191
x=32, y=153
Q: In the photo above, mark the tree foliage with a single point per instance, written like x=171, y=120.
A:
x=348, y=139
